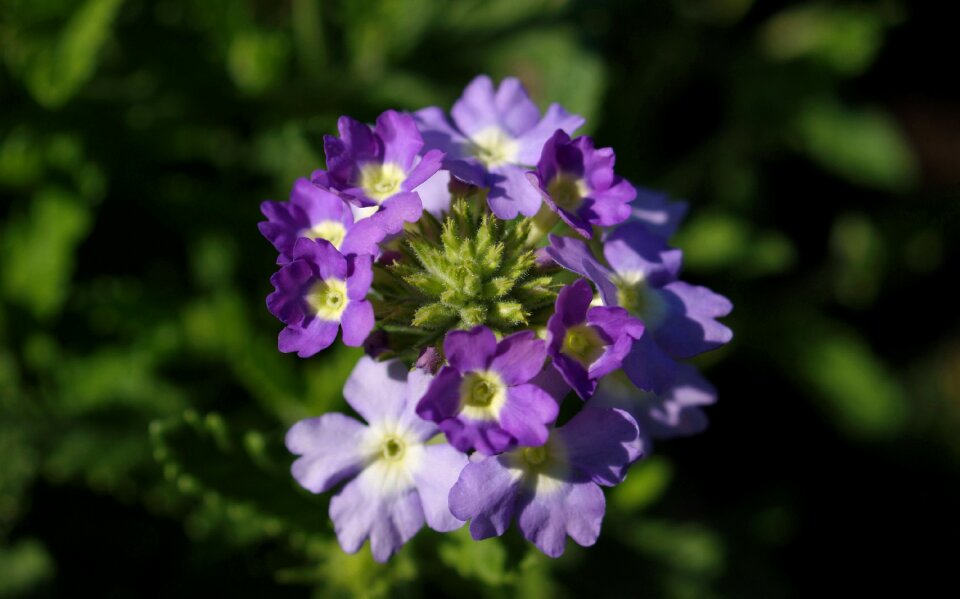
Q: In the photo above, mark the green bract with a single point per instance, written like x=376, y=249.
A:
x=472, y=269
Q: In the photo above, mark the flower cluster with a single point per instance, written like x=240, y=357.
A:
x=493, y=267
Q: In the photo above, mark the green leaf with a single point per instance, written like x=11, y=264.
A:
x=484, y=561
x=55, y=68
x=37, y=249
x=646, y=483
x=862, y=145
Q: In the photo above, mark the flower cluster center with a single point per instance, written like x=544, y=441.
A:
x=482, y=394
x=380, y=181
x=328, y=298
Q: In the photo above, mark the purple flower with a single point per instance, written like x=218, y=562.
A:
x=379, y=166
x=319, y=292
x=483, y=399
x=576, y=181
x=496, y=135
x=674, y=412
x=642, y=278
x=396, y=481
x=315, y=213
x=587, y=343
x=657, y=212
x=552, y=490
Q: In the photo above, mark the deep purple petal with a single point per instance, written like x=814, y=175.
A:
x=648, y=367
x=550, y=381
x=400, y=137
x=319, y=204
x=377, y=390
x=357, y=322
x=691, y=327
x=575, y=375
x=574, y=509
x=511, y=193
x=360, y=269
x=486, y=493
x=676, y=412
x=400, y=208
x=363, y=238
x=330, y=450
x=572, y=253
x=289, y=284
x=573, y=301
x=471, y=350
x=532, y=141
x=519, y=357
x=308, y=340
x=601, y=443
x=442, y=399
x=442, y=465
x=427, y=167
x=486, y=436
x=631, y=248
x=616, y=324
x=527, y=413
x=328, y=263
x=657, y=212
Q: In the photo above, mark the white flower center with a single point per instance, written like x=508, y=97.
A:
x=380, y=181
x=394, y=456
x=328, y=299
x=493, y=147
x=482, y=395
x=636, y=296
x=331, y=230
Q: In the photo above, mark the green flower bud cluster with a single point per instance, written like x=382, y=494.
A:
x=470, y=269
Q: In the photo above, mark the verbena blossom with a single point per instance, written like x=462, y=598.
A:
x=495, y=136
x=484, y=400
x=553, y=490
x=396, y=482
x=495, y=271
x=577, y=182
x=318, y=293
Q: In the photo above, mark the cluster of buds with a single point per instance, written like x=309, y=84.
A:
x=492, y=267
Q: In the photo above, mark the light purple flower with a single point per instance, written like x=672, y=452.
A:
x=315, y=213
x=553, y=490
x=577, y=181
x=379, y=166
x=496, y=136
x=642, y=278
x=396, y=482
x=484, y=399
x=586, y=342
x=319, y=292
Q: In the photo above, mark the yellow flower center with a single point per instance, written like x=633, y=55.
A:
x=328, y=299
x=535, y=455
x=393, y=448
x=482, y=395
x=583, y=343
x=380, y=181
x=331, y=230
x=493, y=147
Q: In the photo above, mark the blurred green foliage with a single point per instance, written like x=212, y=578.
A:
x=138, y=364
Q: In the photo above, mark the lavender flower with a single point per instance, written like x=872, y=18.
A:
x=552, y=490
x=315, y=213
x=577, y=182
x=396, y=481
x=642, y=278
x=483, y=399
x=587, y=343
x=319, y=292
x=379, y=166
x=496, y=135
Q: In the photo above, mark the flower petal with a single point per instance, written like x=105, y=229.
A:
x=330, y=450
x=602, y=443
x=574, y=509
x=471, y=350
x=486, y=493
x=527, y=413
x=400, y=137
x=308, y=340
x=519, y=357
x=441, y=469
x=377, y=390
x=690, y=327
x=357, y=321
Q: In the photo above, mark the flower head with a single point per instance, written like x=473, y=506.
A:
x=484, y=399
x=577, y=182
x=319, y=292
x=586, y=342
x=495, y=136
x=396, y=482
x=553, y=490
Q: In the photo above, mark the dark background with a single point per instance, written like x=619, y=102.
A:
x=142, y=399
